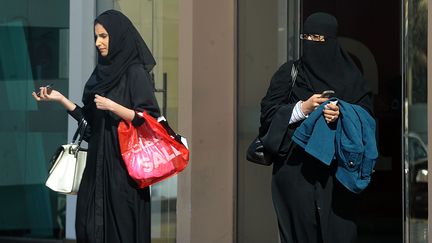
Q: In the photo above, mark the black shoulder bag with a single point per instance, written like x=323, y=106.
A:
x=256, y=151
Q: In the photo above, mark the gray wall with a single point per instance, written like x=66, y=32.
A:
x=207, y=71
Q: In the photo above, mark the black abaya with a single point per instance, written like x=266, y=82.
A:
x=310, y=204
x=110, y=207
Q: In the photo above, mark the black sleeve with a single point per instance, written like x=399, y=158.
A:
x=142, y=94
x=276, y=109
x=78, y=114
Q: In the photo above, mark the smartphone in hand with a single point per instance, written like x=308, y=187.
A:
x=49, y=87
x=327, y=94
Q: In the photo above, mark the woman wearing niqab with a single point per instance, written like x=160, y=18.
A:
x=110, y=206
x=310, y=203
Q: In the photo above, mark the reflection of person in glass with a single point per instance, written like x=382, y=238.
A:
x=311, y=203
x=110, y=207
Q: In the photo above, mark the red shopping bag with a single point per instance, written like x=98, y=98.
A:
x=150, y=153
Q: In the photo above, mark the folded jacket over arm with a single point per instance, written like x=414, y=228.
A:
x=351, y=142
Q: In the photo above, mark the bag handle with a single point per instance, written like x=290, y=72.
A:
x=82, y=127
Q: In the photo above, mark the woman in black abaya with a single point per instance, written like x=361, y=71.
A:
x=110, y=207
x=311, y=205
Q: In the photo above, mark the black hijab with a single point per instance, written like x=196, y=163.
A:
x=325, y=65
x=126, y=47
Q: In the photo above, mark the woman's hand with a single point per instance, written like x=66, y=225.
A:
x=46, y=94
x=312, y=103
x=106, y=104
x=331, y=112
x=103, y=103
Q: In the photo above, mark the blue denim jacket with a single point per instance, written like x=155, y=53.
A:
x=351, y=141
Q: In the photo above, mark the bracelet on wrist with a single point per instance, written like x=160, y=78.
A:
x=301, y=109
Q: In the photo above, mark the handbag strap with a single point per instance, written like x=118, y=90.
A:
x=294, y=71
x=82, y=127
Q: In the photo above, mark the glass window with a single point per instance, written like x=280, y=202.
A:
x=34, y=39
x=157, y=21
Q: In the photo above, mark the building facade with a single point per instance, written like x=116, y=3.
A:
x=214, y=63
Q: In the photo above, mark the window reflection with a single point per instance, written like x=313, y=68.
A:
x=416, y=170
x=33, y=52
x=157, y=22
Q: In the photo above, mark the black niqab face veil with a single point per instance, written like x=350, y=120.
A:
x=126, y=47
x=325, y=65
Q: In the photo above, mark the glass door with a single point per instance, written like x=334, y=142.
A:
x=157, y=22
x=415, y=120
x=264, y=44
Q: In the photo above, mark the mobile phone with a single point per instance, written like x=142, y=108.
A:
x=327, y=94
x=49, y=86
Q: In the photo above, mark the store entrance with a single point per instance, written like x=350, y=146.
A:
x=370, y=32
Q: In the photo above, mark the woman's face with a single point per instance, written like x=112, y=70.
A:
x=102, y=39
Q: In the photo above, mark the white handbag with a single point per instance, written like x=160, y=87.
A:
x=68, y=164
